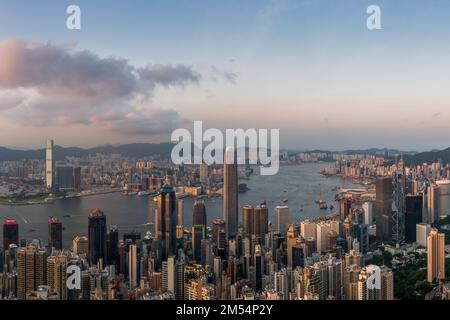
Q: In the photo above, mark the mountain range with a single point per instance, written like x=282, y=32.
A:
x=139, y=150
x=60, y=153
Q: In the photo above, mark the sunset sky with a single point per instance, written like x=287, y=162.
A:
x=137, y=70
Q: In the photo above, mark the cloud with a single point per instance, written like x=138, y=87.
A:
x=47, y=84
x=216, y=75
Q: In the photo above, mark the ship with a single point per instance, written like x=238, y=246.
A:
x=319, y=197
x=323, y=205
x=147, y=193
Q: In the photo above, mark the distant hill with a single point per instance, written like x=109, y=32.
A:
x=428, y=157
x=131, y=150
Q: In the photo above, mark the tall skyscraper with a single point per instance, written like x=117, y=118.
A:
x=180, y=212
x=198, y=234
x=432, y=204
x=57, y=274
x=413, y=216
x=26, y=266
x=444, y=197
x=55, y=233
x=97, y=236
x=49, y=166
x=76, y=179
x=282, y=219
x=65, y=178
x=260, y=222
x=199, y=214
x=167, y=221
x=219, y=233
x=132, y=265
x=384, y=199
x=113, y=246
x=10, y=233
x=387, y=284
x=435, y=256
x=368, y=213
x=230, y=192
x=247, y=221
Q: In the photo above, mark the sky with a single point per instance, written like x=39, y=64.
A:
x=137, y=70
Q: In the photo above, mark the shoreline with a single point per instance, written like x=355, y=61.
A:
x=49, y=201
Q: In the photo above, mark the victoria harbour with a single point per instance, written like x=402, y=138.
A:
x=298, y=184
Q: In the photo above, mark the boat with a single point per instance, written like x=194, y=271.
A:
x=285, y=200
x=149, y=224
x=66, y=216
x=319, y=197
x=147, y=193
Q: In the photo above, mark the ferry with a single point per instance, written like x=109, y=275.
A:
x=147, y=193
x=323, y=206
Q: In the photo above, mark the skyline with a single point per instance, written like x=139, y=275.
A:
x=310, y=69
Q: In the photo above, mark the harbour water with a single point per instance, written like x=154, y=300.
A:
x=298, y=184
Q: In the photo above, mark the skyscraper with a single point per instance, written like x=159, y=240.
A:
x=132, y=265
x=77, y=179
x=55, y=233
x=260, y=222
x=198, y=234
x=230, y=192
x=65, y=178
x=435, y=256
x=26, y=266
x=199, y=214
x=10, y=233
x=384, y=198
x=180, y=212
x=56, y=274
x=282, y=218
x=49, y=166
x=113, y=246
x=413, y=216
x=167, y=221
x=97, y=236
x=432, y=204
x=218, y=233
x=247, y=221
